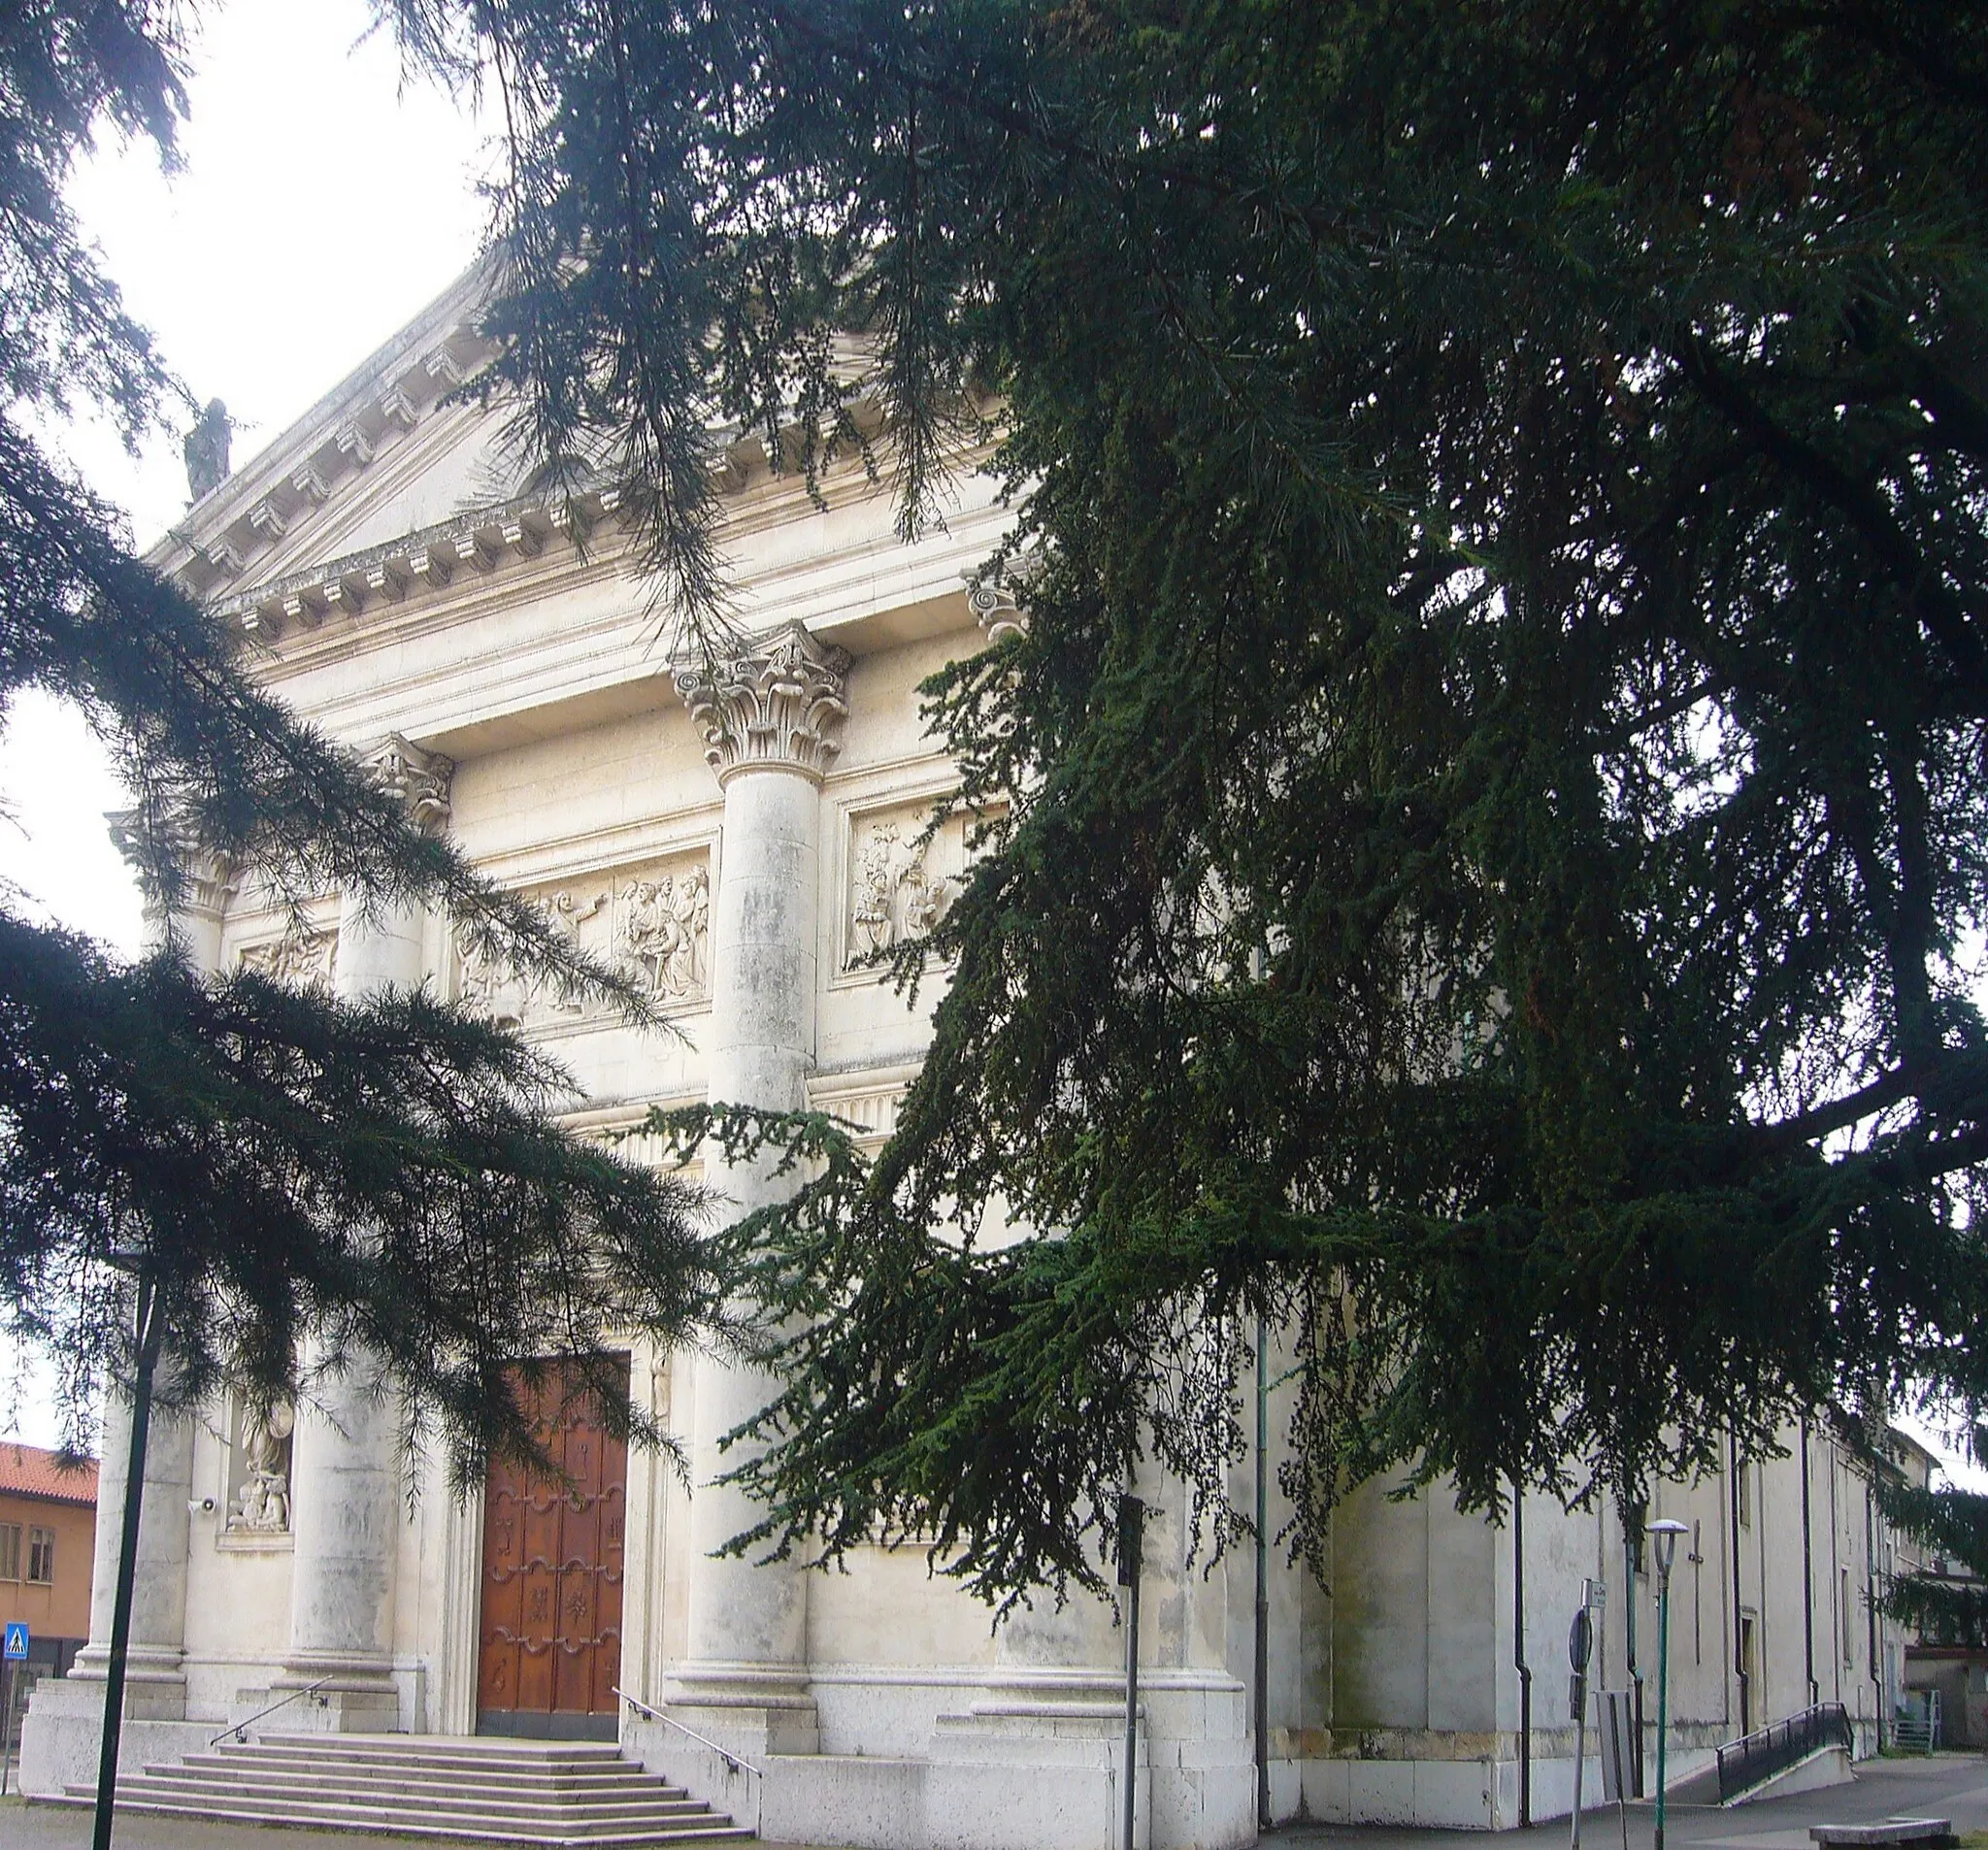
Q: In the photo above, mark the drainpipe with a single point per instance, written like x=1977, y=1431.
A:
x=1262, y=1665
x=1870, y=1606
x=1632, y=1530
x=1808, y=1580
x=1738, y=1617
x=1518, y=1655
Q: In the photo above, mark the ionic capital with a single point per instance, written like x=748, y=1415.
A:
x=778, y=704
x=995, y=609
x=419, y=778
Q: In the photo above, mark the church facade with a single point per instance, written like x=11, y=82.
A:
x=743, y=844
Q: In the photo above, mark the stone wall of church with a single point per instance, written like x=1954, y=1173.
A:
x=741, y=845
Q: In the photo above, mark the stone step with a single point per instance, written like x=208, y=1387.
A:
x=476, y=1827
x=467, y=1746
x=534, y=1793
x=424, y=1749
x=160, y=1784
x=390, y=1775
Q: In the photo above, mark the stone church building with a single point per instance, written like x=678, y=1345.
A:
x=743, y=847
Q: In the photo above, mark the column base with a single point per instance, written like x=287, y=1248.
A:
x=335, y=1696
x=62, y=1735
x=749, y=1710
x=154, y=1683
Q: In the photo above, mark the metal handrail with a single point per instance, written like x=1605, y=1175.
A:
x=733, y=1761
x=240, y=1729
x=1758, y=1756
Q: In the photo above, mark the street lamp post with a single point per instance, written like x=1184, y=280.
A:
x=1665, y=1535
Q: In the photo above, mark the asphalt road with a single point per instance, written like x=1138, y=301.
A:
x=1949, y=1786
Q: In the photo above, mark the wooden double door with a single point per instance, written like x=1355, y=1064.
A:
x=550, y=1652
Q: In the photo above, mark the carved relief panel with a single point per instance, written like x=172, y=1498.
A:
x=651, y=921
x=303, y=960
x=899, y=885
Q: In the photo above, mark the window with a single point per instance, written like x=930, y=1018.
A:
x=1843, y=1605
x=9, y=1551
x=41, y=1555
x=1742, y=1491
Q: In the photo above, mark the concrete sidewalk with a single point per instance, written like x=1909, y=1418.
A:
x=1946, y=1786
x=1949, y=1785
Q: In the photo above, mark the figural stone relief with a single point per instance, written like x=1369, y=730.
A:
x=303, y=962
x=901, y=885
x=653, y=922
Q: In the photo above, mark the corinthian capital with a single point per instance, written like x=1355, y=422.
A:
x=778, y=704
x=419, y=778
x=208, y=877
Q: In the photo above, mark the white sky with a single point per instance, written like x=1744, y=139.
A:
x=319, y=208
x=317, y=211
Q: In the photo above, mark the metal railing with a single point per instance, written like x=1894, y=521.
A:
x=1745, y=1763
x=734, y=1763
x=1916, y=1723
x=240, y=1729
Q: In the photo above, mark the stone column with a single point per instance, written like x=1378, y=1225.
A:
x=346, y=1478
x=156, y=1685
x=772, y=722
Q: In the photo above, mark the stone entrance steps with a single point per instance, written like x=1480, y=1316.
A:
x=513, y=1792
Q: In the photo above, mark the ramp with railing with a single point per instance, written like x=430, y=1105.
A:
x=1756, y=1758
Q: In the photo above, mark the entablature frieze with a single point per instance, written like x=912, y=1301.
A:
x=648, y=918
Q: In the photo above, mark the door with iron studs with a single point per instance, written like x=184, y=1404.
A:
x=549, y=1651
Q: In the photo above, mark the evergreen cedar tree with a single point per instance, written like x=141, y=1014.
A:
x=251, y=1162
x=1952, y=1526
x=1483, y=833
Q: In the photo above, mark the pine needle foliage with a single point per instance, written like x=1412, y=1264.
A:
x=1949, y=1606
x=1483, y=834
x=383, y=1174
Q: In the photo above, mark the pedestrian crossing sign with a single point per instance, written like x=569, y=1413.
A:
x=15, y=1647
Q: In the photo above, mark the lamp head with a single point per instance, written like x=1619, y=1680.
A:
x=1664, y=1535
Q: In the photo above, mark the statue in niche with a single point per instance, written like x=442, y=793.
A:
x=261, y=1502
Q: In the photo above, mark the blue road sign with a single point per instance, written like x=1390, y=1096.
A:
x=15, y=1647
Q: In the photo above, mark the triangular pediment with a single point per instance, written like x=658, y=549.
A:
x=385, y=454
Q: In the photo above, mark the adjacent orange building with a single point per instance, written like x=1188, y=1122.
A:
x=47, y=1546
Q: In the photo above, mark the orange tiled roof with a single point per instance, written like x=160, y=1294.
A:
x=27, y=1471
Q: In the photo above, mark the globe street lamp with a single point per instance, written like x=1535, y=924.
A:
x=1664, y=1535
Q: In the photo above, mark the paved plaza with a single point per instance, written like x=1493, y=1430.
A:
x=1949, y=1785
